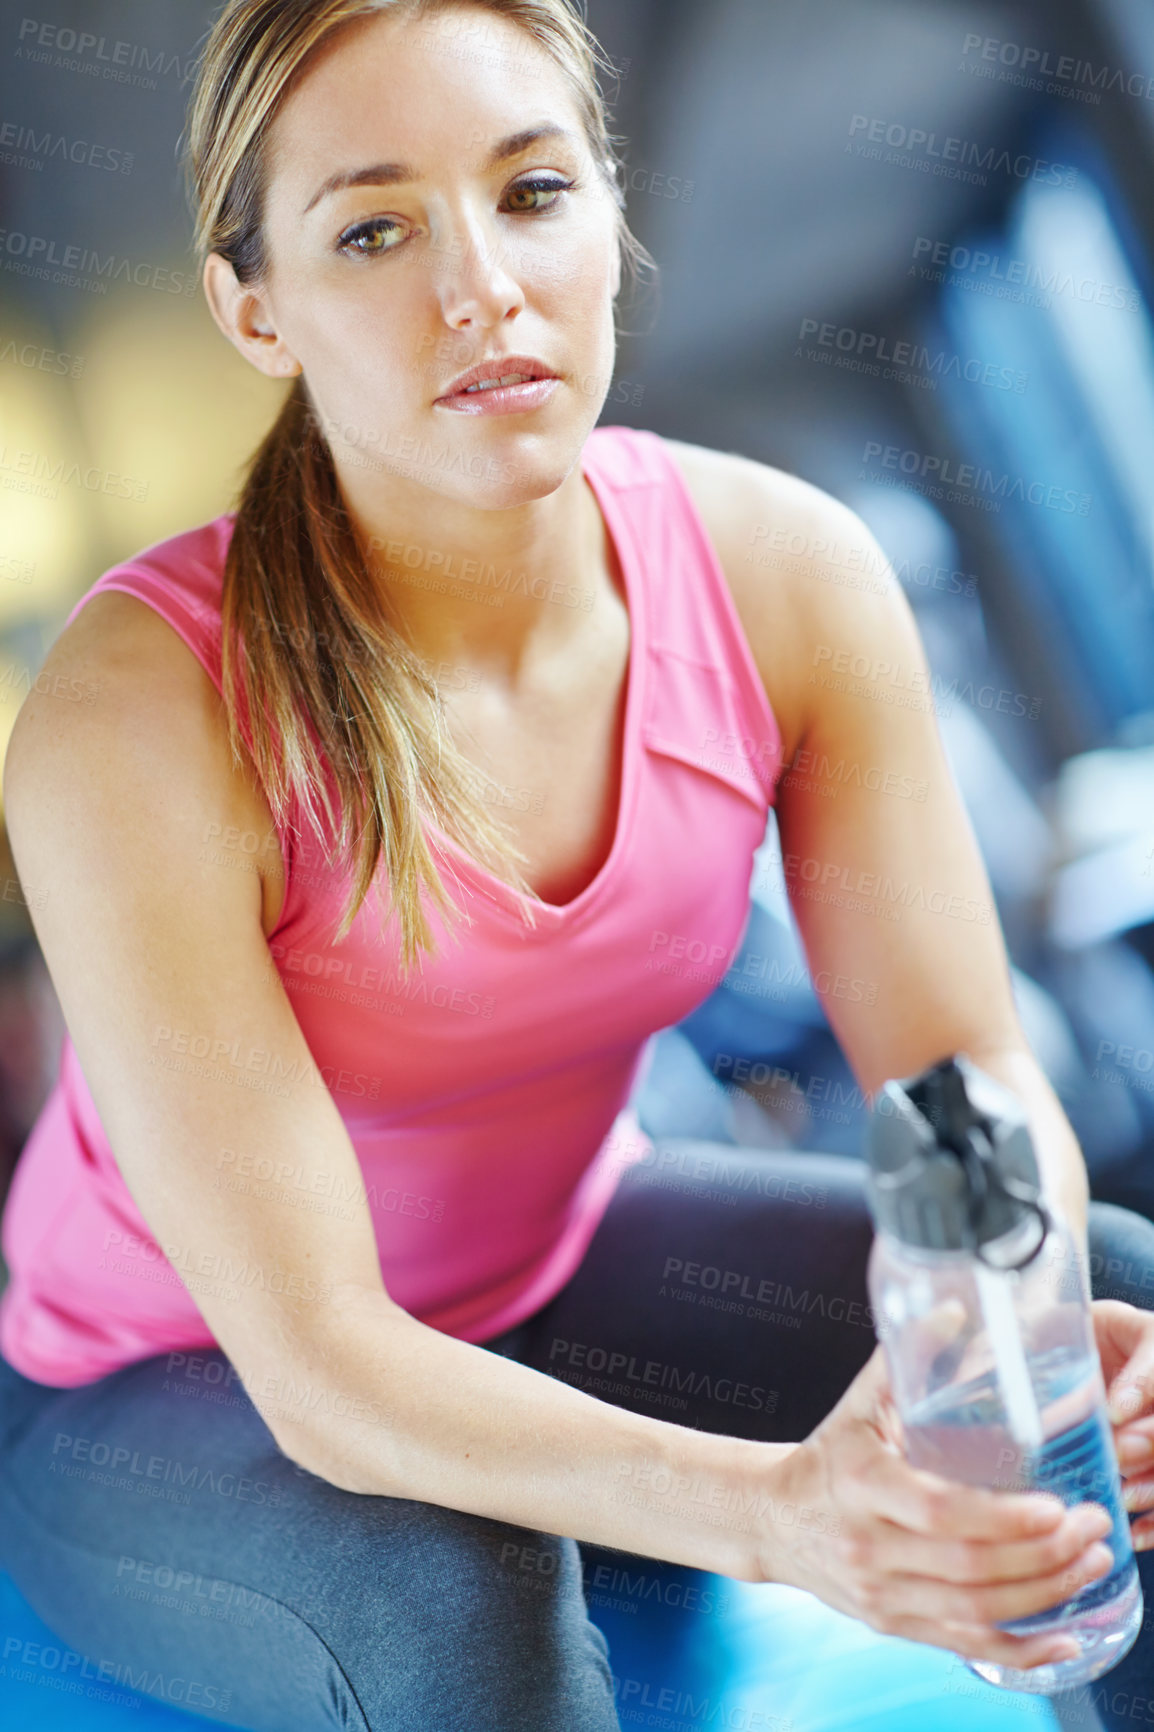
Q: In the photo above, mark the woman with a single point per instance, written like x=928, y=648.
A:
x=271, y=1213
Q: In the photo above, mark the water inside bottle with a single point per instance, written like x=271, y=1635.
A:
x=960, y=1433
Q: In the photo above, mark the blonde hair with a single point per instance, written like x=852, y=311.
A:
x=341, y=714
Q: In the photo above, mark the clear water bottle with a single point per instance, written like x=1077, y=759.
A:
x=983, y=1308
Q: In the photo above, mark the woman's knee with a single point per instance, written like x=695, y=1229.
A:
x=360, y=1611
x=458, y=1621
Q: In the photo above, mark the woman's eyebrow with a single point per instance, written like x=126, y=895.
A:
x=395, y=173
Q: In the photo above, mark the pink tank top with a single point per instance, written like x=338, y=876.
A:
x=488, y=1095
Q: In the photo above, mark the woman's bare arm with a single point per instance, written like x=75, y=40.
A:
x=111, y=808
x=883, y=873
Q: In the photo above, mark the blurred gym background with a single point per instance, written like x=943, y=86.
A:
x=905, y=251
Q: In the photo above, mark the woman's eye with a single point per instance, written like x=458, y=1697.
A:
x=369, y=239
x=530, y=189
x=379, y=235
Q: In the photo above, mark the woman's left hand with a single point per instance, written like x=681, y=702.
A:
x=1125, y=1337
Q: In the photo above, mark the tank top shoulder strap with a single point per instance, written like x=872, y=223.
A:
x=709, y=704
x=181, y=579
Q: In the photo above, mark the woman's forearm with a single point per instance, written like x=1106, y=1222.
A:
x=385, y=1405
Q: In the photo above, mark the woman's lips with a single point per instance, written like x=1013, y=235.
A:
x=501, y=399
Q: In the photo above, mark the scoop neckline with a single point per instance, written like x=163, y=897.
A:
x=550, y=915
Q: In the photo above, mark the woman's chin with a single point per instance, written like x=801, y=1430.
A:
x=513, y=468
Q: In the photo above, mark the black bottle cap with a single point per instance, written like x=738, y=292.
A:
x=952, y=1163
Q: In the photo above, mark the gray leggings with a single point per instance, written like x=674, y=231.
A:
x=151, y=1521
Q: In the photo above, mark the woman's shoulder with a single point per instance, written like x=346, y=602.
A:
x=180, y=578
x=753, y=507
x=148, y=624
x=121, y=703
x=131, y=669
x=749, y=508
x=806, y=574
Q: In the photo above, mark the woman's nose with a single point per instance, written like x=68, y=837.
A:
x=477, y=282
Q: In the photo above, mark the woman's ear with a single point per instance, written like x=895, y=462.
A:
x=242, y=313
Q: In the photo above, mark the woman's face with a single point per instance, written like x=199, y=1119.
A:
x=414, y=230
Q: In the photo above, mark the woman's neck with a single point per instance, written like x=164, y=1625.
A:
x=482, y=587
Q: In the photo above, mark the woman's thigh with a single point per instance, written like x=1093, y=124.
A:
x=152, y=1522
x=724, y=1288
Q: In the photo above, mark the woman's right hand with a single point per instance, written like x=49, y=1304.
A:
x=915, y=1555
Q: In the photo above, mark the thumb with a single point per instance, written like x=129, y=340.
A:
x=869, y=1401
x=871, y=1387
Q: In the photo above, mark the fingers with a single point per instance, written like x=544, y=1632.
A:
x=979, y=1642
x=1142, y=1533
x=946, y=1509
x=981, y=1562
x=1138, y=1495
x=1135, y=1446
x=893, y=1572
x=1132, y=1391
x=995, y=1603
x=1118, y=1326
x=869, y=1387
x=1125, y=1333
